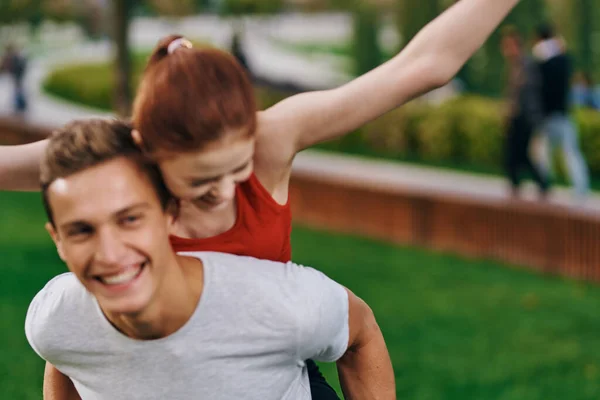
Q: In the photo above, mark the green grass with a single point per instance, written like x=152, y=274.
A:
x=455, y=328
x=460, y=329
x=27, y=260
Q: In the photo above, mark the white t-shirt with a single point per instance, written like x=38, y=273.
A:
x=256, y=323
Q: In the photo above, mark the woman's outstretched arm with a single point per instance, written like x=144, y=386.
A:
x=20, y=166
x=430, y=60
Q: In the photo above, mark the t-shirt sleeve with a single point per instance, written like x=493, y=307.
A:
x=322, y=316
x=40, y=314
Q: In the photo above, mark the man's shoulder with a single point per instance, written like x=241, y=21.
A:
x=237, y=265
x=63, y=295
x=58, y=288
x=62, y=300
x=262, y=282
x=241, y=268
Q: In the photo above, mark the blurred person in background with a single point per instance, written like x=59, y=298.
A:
x=14, y=63
x=557, y=128
x=524, y=111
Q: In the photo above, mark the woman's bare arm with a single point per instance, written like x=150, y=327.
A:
x=430, y=60
x=20, y=166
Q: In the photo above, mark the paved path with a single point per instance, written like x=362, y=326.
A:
x=389, y=174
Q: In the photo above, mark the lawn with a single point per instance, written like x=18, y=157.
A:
x=456, y=328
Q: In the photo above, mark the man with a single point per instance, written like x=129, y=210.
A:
x=133, y=320
x=524, y=111
x=556, y=70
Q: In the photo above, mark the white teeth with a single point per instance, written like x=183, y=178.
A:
x=124, y=277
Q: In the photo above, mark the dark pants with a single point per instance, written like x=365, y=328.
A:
x=517, y=156
x=19, y=99
x=319, y=388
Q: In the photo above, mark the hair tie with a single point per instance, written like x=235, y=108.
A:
x=177, y=43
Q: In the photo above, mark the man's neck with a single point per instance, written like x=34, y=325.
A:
x=174, y=304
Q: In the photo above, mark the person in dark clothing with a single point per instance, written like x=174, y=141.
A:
x=557, y=127
x=15, y=64
x=524, y=112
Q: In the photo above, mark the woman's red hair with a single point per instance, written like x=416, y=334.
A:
x=191, y=97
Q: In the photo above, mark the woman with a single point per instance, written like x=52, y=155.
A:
x=229, y=165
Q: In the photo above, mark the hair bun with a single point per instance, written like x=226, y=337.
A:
x=178, y=43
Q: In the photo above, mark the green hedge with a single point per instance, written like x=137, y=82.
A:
x=463, y=133
x=90, y=84
x=466, y=133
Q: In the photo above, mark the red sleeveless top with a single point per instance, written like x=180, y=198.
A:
x=262, y=228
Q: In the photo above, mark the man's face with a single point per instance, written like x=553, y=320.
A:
x=110, y=229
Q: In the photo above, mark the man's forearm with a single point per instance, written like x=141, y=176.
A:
x=58, y=386
x=366, y=372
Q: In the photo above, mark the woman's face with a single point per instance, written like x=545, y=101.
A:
x=208, y=177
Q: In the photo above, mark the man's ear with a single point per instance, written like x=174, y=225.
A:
x=56, y=238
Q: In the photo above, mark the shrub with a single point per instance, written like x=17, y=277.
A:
x=588, y=123
x=92, y=84
x=482, y=129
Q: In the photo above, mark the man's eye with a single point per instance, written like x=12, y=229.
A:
x=131, y=219
x=79, y=231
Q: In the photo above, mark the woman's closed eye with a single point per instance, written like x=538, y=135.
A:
x=201, y=182
x=197, y=182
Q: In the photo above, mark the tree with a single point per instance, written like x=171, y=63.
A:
x=413, y=15
x=239, y=7
x=484, y=73
x=12, y=11
x=584, y=47
x=366, y=50
x=172, y=8
x=122, y=10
